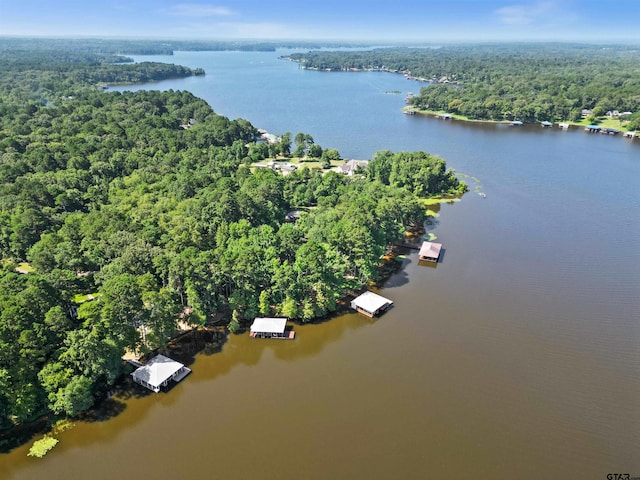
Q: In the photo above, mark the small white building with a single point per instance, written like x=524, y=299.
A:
x=271, y=327
x=370, y=304
x=158, y=372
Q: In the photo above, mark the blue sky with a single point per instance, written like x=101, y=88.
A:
x=371, y=20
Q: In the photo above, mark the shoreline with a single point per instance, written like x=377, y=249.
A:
x=453, y=116
x=461, y=118
x=218, y=331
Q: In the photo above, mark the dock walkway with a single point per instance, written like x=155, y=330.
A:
x=290, y=335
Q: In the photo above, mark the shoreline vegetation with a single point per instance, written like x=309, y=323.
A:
x=130, y=215
x=604, y=122
x=529, y=83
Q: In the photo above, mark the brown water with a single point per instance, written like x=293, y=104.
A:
x=518, y=356
x=463, y=378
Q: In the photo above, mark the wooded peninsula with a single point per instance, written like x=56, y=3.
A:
x=526, y=82
x=122, y=214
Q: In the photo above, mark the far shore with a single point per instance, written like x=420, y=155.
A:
x=604, y=122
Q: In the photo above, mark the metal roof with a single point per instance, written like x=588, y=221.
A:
x=430, y=249
x=269, y=325
x=157, y=370
x=370, y=302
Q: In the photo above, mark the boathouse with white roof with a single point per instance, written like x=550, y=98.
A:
x=271, y=327
x=158, y=372
x=371, y=304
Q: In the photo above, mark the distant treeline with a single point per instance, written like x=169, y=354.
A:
x=153, y=47
x=505, y=82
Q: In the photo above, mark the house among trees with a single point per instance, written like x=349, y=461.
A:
x=430, y=251
x=266, y=327
x=353, y=166
x=158, y=372
x=371, y=304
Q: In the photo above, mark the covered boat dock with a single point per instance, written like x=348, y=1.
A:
x=371, y=304
x=430, y=251
x=271, y=327
x=158, y=372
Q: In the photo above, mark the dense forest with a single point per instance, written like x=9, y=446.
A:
x=530, y=83
x=41, y=75
x=122, y=213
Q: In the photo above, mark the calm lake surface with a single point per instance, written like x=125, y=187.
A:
x=518, y=356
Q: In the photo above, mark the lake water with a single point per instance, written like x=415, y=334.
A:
x=518, y=356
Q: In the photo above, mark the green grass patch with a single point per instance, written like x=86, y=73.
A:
x=25, y=267
x=430, y=237
x=610, y=122
x=431, y=201
x=310, y=163
x=41, y=447
x=427, y=202
x=81, y=298
x=432, y=213
x=300, y=162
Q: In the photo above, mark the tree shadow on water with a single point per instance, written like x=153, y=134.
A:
x=397, y=272
x=103, y=411
x=17, y=436
x=207, y=341
x=431, y=224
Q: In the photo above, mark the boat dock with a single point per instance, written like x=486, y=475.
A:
x=371, y=304
x=271, y=327
x=158, y=372
x=290, y=335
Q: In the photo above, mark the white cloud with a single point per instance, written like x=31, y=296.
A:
x=198, y=10
x=525, y=14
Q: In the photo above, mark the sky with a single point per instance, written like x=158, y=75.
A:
x=366, y=20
